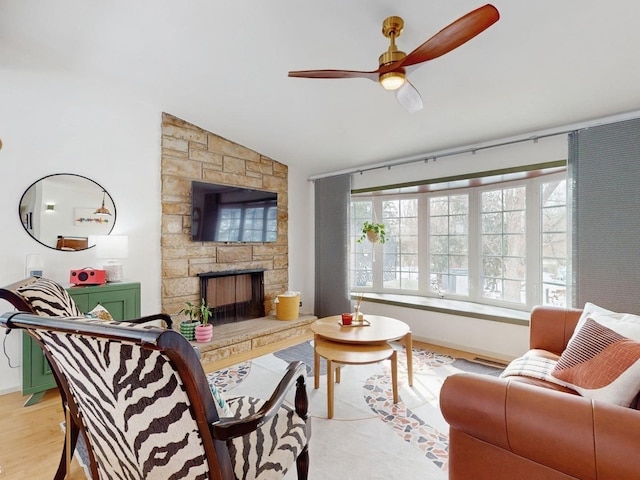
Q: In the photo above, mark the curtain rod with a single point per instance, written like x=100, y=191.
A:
x=424, y=157
x=435, y=156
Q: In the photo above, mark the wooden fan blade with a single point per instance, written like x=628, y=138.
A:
x=335, y=74
x=453, y=35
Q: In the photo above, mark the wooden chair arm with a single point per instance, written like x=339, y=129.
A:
x=158, y=316
x=228, y=428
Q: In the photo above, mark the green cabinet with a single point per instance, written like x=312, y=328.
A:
x=121, y=299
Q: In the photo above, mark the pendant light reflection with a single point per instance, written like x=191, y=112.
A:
x=102, y=210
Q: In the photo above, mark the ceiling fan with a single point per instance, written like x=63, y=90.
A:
x=394, y=64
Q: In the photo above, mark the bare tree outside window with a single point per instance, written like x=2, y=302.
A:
x=449, y=244
x=504, y=244
x=553, y=197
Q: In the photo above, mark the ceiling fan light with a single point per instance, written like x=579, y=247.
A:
x=392, y=80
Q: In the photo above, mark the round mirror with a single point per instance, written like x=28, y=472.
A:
x=62, y=211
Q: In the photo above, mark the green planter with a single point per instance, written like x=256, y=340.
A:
x=188, y=329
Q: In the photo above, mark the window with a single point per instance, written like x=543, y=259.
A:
x=361, y=255
x=502, y=244
x=554, y=242
x=449, y=244
x=400, y=252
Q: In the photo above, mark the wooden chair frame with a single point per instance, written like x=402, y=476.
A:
x=215, y=432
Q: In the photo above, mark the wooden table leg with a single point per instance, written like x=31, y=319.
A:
x=394, y=375
x=408, y=345
x=338, y=369
x=316, y=364
x=329, y=388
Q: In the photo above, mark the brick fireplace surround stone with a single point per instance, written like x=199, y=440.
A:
x=192, y=153
x=233, y=338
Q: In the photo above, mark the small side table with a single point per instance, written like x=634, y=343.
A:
x=380, y=331
x=350, y=354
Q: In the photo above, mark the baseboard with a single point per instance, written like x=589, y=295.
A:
x=486, y=356
x=7, y=391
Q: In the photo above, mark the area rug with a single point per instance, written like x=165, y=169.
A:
x=369, y=436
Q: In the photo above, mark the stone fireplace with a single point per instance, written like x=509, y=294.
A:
x=233, y=296
x=191, y=153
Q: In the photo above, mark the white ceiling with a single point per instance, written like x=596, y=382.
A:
x=222, y=65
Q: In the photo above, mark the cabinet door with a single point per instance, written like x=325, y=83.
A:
x=122, y=304
x=36, y=372
x=122, y=301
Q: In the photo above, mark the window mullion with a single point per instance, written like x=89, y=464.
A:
x=423, y=244
x=378, y=253
x=533, y=239
x=475, y=239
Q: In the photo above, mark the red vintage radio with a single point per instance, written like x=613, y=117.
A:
x=88, y=276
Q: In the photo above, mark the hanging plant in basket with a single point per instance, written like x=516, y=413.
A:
x=374, y=232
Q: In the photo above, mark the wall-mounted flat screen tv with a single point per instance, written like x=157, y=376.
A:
x=224, y=213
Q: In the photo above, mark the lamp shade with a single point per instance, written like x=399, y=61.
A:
x=112, y=246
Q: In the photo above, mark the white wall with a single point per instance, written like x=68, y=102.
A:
x=483, y=337
x=301, y=232
x=516, y=154
x=57, y=122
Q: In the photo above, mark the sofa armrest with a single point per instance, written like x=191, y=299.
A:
x=567, y=433
x=552, y=327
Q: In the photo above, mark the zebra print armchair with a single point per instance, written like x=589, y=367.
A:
x=47, y=298
x=141, y=398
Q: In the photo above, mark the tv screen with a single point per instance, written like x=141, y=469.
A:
x=223, y=213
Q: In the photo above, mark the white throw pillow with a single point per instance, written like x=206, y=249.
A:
x=625, y=324
x=100, y=313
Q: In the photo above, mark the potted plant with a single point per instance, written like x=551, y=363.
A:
x=188, y=327
x=198, y=317
x=204, y=331
x=374, y=232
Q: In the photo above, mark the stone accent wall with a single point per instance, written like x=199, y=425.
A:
x=191, y=153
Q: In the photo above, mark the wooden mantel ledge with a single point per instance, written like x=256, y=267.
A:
x=238, y=337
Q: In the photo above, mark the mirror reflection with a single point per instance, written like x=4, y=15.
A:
x=62, y=211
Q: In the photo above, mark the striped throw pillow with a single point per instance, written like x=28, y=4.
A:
x=601, y=364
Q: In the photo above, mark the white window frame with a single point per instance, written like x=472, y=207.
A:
x=533, y=262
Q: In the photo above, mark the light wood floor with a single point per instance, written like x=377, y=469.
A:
x=31, y=438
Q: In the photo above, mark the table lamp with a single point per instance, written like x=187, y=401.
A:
x=113, y=248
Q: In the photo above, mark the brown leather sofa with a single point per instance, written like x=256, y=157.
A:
x=521, y=428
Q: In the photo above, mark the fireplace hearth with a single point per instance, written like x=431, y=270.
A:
x=233, y=296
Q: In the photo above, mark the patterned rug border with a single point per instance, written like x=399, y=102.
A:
x=377, y=393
